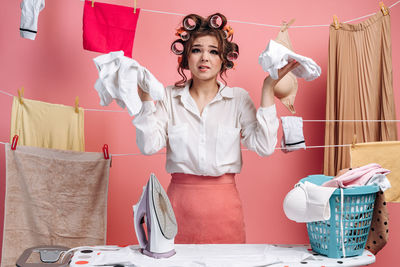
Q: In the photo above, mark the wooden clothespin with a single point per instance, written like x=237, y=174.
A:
x=353, y=144
x=77, y=104
x=286, y=25
x=384, y=9
x=92, y=3
x=21, y=95
x=336, y=22
x=134, y=6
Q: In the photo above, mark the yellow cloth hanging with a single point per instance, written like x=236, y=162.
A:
x=46, y=125
x=385, y=154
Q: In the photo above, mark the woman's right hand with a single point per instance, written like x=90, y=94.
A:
x=143, y=95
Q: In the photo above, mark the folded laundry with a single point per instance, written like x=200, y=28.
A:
x=276, y=56
x=119, y=78
x=30, y=10
x=358, y=176
x=308, y=202
x=293, y=138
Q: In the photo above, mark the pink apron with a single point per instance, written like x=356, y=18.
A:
x=207, y=208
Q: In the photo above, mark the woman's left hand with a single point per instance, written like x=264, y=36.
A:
x=267, y=98
x=270, y=83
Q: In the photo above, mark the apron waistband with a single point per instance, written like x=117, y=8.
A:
x=183, y=178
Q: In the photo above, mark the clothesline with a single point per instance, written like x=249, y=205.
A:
x=262, y=24
x=123, y=111
x=243, y=149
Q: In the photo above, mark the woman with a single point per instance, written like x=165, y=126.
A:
x=201, y=122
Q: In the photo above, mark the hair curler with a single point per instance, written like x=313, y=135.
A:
x=191, y=22
x=228, y=31
x=184, y=35
x=229, y=65
x=217, y=21
x=178, y=47
x=233, y=55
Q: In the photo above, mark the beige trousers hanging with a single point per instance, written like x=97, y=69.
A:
x=359, y=87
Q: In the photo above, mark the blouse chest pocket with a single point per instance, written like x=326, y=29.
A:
x=178, y=142
x=228, y=145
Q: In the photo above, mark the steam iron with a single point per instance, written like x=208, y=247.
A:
x=156, y=211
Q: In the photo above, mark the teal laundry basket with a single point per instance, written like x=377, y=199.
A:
x=358, y=205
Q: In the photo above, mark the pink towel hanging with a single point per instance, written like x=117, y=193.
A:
x=108, y=27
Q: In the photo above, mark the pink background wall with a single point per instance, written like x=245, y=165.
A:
x=55, y=68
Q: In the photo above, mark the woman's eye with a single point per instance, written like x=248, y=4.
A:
x=195, y=50
x=214, y=52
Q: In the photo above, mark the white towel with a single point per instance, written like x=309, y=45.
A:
x=293, y=137
x=276, y=56
x=119, y=77
x=30, y=10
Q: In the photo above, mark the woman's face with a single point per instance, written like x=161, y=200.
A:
x=204, y=60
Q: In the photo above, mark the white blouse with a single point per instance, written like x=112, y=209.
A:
x=207, y=143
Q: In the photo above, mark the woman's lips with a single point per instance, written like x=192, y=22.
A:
x=203, y=68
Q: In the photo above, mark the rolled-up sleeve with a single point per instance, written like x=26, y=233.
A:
x=151, y=127
x=259, y=127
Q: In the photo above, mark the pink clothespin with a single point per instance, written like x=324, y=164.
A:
x=14, y=142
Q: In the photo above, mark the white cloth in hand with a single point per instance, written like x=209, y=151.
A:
x=119, y=78
x=276, y=56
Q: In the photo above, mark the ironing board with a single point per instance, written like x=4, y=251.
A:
x=235, y=255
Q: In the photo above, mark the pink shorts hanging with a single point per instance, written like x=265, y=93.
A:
x=108, y=27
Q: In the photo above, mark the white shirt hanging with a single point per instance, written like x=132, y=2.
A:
x=30, y=10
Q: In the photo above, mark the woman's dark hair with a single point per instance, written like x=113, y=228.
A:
x=195, y=26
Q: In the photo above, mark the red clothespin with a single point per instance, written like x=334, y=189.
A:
x=14, y=142
x=105, y=152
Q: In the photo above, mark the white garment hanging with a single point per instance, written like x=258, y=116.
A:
x=293, y=137
x=119, y=78
x=30, y=10
x=276, y=56
x=308, y=202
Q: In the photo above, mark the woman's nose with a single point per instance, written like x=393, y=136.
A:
x=204, y=57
